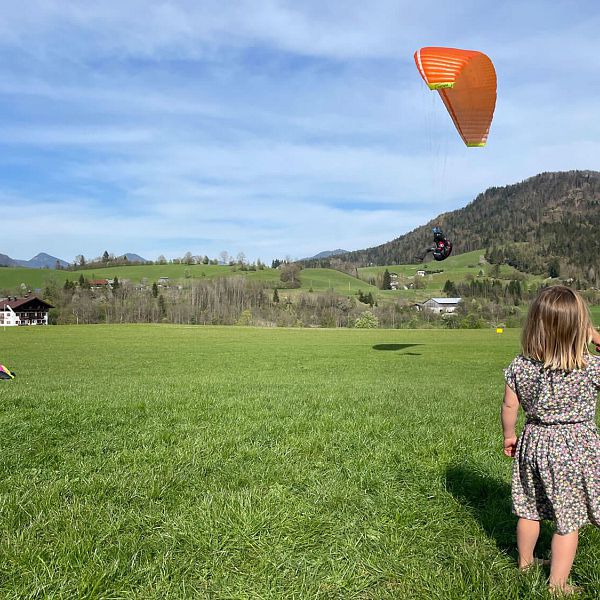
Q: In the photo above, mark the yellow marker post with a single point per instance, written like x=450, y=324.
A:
x=499, y=330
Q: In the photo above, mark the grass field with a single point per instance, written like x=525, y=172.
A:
x=13, y=277
x=164, y=462
x=455, y=268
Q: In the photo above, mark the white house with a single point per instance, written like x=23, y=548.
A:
x=440, y=305
x=30, y=310
x=421, y=273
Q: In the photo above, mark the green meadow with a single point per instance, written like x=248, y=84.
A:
x=13, y=277
x=456, y=268
x=158, y=462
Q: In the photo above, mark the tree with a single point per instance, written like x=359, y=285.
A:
x=554, y=268
x=81, y=281
x=80, y=260
x=161, y=260
x=105, y=256
x=224, y=257
x=115, y=285
x=495, y=271
x=450, y=289
x=162, y=306
x=387, y=281
x=241, y=258
x=290, y=274
x=154, y=290
x=275, y=296
x=367, y=320
x=188, y=258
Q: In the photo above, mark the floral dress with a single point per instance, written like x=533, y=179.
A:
x=556, y=472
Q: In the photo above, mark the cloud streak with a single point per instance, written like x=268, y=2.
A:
x=271, y=127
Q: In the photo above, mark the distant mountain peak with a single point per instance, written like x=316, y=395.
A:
x=42, y=260
x=327, y=254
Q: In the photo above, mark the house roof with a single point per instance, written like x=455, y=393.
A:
x=21, y=302
x=446, y=300
x=98, y=282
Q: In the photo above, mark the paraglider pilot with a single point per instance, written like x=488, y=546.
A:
x=442, y=246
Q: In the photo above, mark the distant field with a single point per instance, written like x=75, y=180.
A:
x=325, y=279
x=233, y=463
x=454, y=268
x=37, y=278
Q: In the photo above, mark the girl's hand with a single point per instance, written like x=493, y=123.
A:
x=510, y=446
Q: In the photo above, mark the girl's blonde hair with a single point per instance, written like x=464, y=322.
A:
x=557, y=331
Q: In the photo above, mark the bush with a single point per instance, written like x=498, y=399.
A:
x=367, y=320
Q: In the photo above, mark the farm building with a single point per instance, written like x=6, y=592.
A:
x=30, y=310
x=97, y=284
x=421, y=273
x=440, y=305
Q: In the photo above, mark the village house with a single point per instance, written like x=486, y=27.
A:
x=421, y=273
x=394, y=283
x=98, y=284
x=30, y=310
x=439, y=305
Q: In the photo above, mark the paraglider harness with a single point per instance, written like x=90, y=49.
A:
x=5, y=373
x=442, y=246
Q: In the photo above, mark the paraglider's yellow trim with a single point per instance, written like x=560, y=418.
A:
x=475, y=144
x=439, y=86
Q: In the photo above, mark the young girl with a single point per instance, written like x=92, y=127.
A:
x=556, y=472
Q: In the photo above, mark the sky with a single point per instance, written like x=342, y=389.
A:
x=272, y=128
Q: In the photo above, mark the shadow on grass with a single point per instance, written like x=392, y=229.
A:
x=489, y=501
x=394, y=347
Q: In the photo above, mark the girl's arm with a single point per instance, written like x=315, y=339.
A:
x=510, y=408
x=595, y=338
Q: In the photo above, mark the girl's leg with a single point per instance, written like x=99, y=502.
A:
x=563, y=554
x=528, y=532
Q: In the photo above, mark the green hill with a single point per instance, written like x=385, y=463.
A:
x=12, y=278
x=543, y=224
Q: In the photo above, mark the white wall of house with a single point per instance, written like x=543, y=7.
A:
x=8, y=318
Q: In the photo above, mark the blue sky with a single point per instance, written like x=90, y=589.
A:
x=268, y=127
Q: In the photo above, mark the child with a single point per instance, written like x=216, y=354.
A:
x=556, y=472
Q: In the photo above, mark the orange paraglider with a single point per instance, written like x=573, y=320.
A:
x=466, y=82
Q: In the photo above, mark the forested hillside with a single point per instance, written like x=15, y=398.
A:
x=546, y=224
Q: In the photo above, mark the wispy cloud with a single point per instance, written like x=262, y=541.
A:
x=271, y=127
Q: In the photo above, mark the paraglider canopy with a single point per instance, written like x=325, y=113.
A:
x=6, y=373
x=466, y=82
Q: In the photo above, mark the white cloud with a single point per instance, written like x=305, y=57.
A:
x=271, y=127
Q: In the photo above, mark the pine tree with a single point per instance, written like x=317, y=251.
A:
x=275, y=296
x=154, y=290
x=387, y=281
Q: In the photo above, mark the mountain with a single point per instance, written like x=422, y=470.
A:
x=44, y=261
x=547, y=223
x=134, y=258
x=39, y=261
x=7, y=261
x=327, y=254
